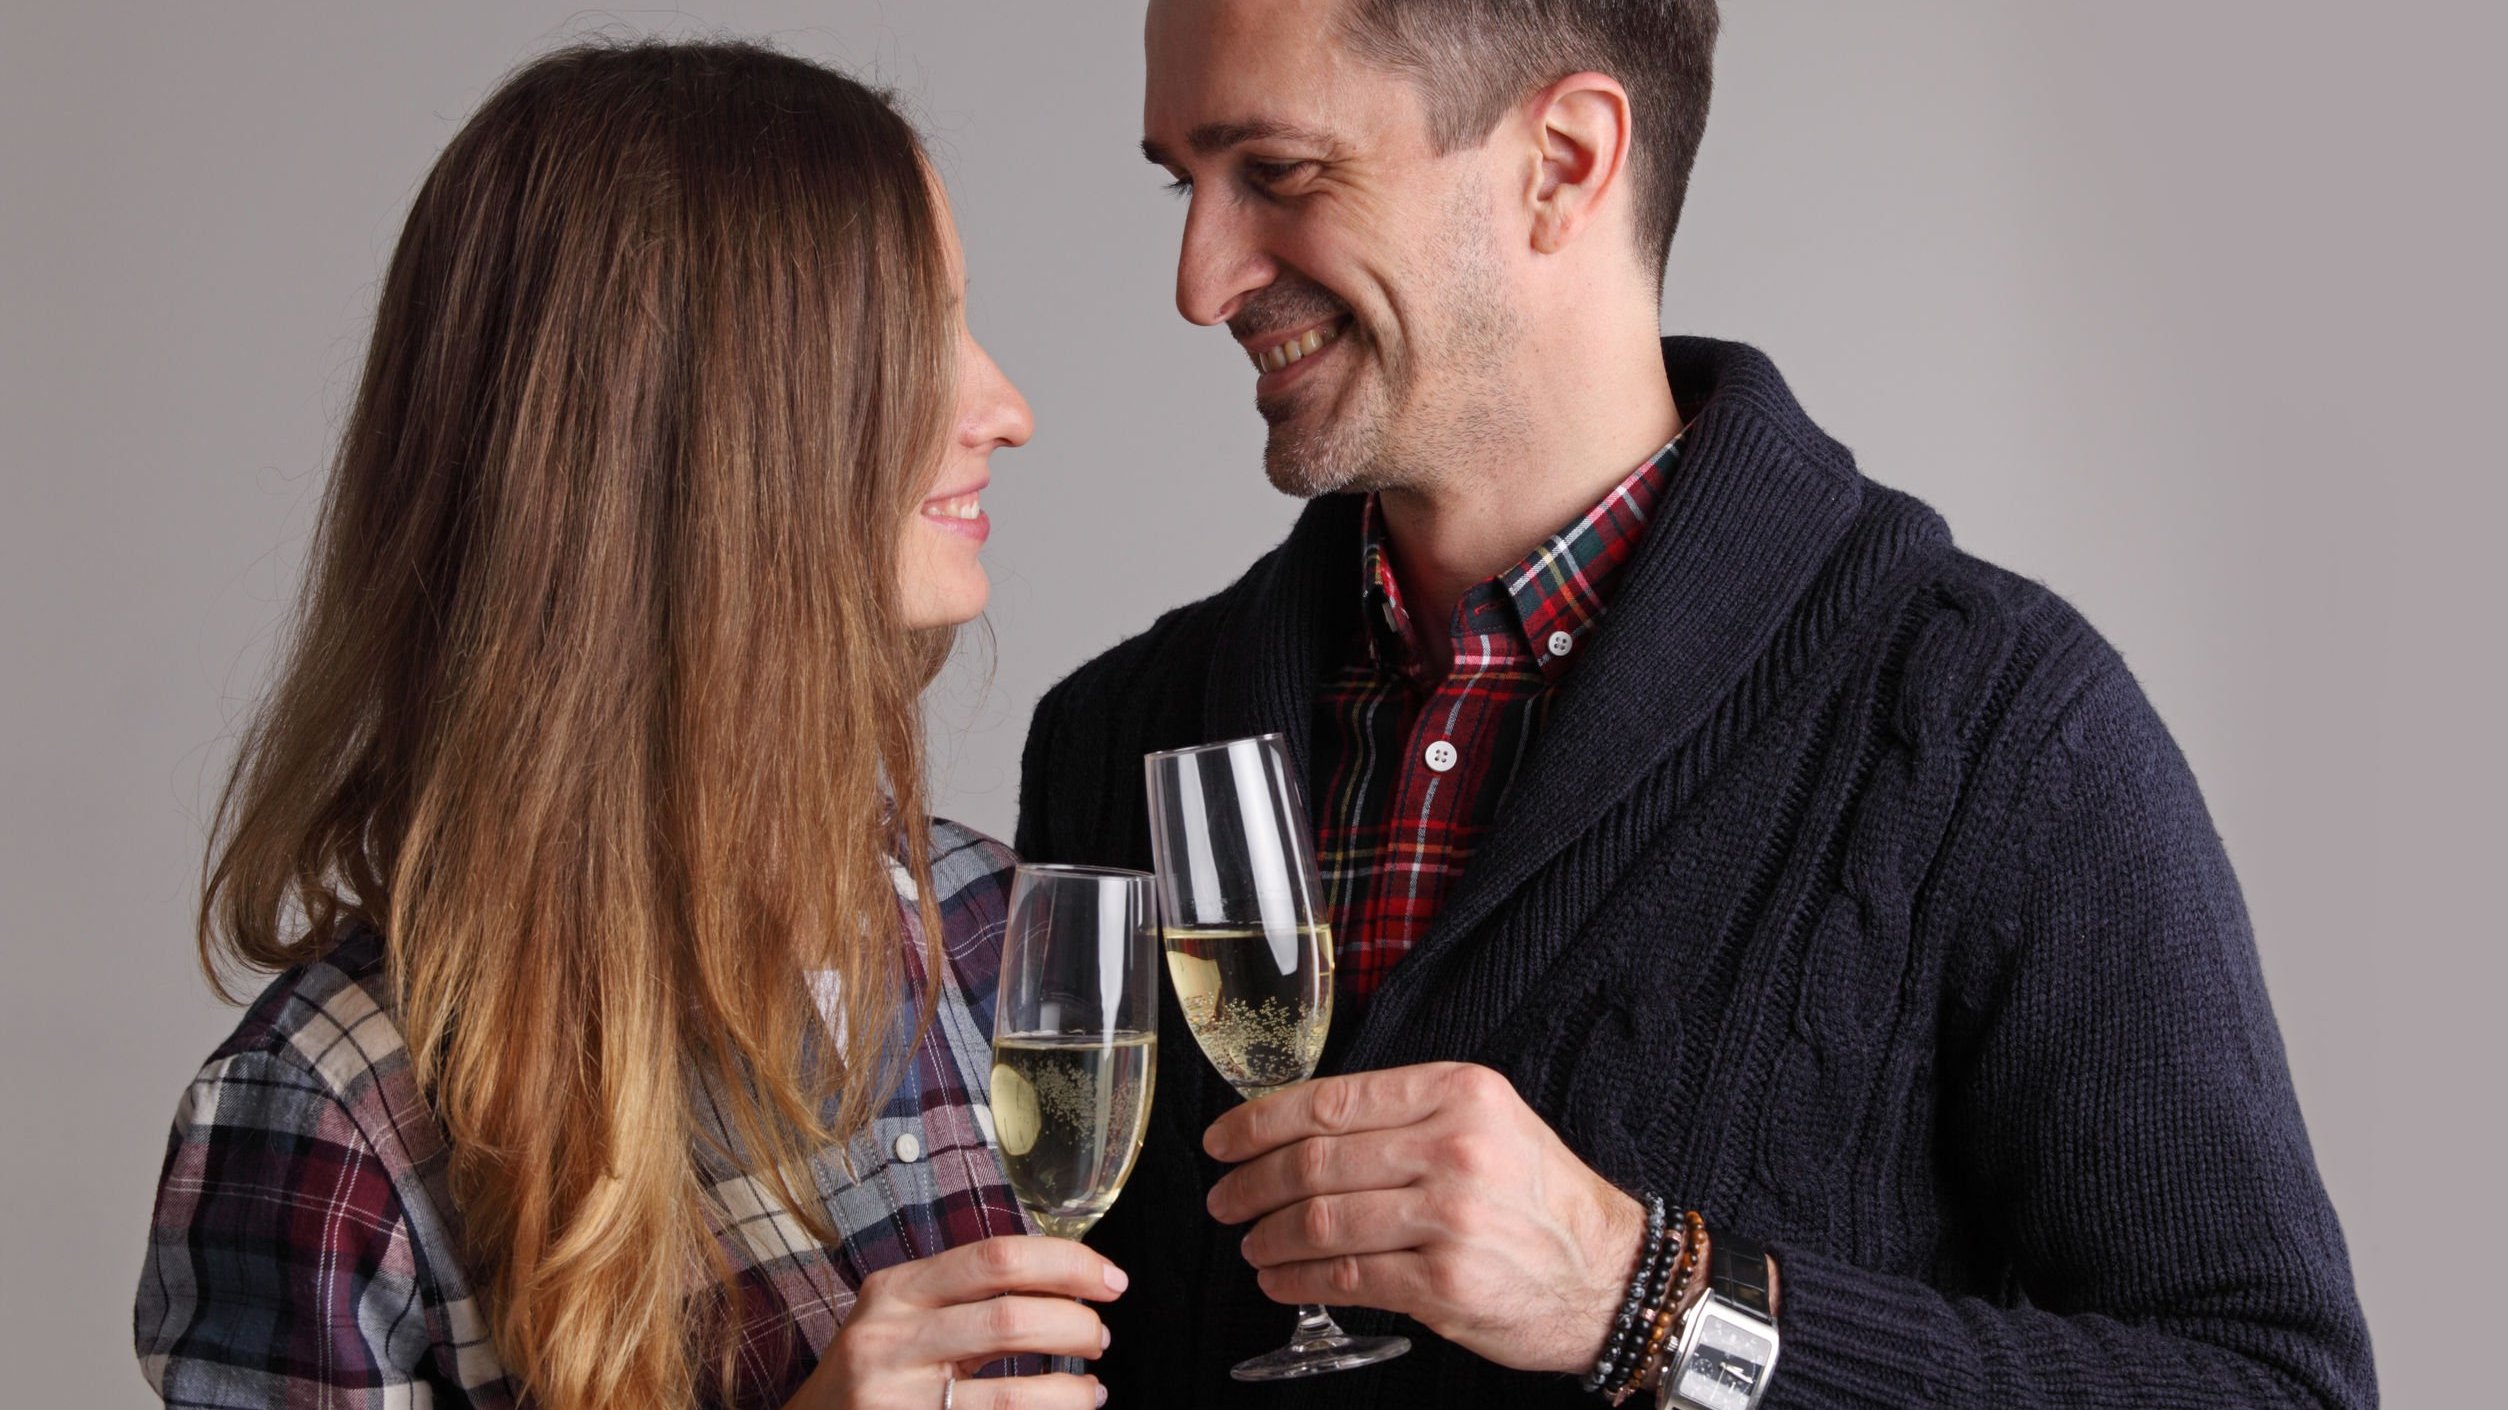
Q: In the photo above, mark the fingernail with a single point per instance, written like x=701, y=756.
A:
x=1116, y=1279
x=1105, y=1339
x=1101, y=1392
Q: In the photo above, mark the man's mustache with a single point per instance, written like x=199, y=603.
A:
x=1282, y=307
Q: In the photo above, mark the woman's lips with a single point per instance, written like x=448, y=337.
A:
x=959, y=514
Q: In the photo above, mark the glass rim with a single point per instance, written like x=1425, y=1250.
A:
x=1216, y=744
x=1074, y=869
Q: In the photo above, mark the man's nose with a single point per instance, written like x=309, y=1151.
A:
x=1219, y=264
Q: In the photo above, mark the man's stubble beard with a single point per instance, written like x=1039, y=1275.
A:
x=1461, y=410
x=1345, y=453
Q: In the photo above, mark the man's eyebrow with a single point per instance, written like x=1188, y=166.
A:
x=1213, y=137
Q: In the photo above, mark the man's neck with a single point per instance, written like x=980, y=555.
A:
x=1595, y=414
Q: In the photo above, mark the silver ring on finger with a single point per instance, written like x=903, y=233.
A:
x=949, y=1392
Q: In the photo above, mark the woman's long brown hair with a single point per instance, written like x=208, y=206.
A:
x=599, y=708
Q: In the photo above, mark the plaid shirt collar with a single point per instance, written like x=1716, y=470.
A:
x=1548, y=602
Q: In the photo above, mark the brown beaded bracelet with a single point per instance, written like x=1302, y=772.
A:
x=1651, y=1364
x=1675, y=1299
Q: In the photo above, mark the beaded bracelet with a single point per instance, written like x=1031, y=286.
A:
x=1649, y=1289
x=1664, y=1302
x=1618, y=1351
x=1689, y=1285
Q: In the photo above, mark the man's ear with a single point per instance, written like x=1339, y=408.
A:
x=1580, y=125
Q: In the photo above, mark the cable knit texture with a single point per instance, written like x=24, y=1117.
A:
x=1856, y=897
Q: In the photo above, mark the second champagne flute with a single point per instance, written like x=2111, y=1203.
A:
x=1075, y=1043
x=1250, y=952
x=1075, y=1040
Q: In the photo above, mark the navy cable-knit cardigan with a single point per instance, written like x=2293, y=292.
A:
x=1854, y=896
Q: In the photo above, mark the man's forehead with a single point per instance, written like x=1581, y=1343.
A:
x=1227, y=71
x=1231, y=26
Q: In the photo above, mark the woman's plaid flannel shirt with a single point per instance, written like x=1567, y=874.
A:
x=305, y=1252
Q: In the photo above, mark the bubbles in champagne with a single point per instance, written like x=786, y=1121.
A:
x=1259, y=1003
x=1069, y=1111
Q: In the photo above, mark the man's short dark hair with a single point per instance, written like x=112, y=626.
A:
x=1473, y=59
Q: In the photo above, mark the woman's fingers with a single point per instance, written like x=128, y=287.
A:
x=1022, y=1263
x=1056, y=1392
x=1004, y=1326
x=972, y=1304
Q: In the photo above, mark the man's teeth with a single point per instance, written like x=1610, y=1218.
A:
x=963, y=506
x=1274, y=359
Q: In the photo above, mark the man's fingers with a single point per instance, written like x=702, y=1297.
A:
x=1055, y=1392
x=1332, y=1106
x=1394, y=1282
x=1023, y=1263
x=1004, y=1326
x=1331, y=1226
x=1318, y=1165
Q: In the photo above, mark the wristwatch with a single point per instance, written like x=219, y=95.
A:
x=1729, y=1342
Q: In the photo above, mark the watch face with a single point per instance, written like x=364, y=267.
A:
x=1724, y=1364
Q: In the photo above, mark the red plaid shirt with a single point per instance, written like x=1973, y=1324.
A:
x=1415, y=769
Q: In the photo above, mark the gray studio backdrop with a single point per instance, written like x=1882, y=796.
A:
x=2206, y=282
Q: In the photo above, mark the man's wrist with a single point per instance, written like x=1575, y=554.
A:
x=1619, y=1245
x=1656, y=1272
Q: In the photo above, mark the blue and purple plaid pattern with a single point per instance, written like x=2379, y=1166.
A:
x=305, y=1250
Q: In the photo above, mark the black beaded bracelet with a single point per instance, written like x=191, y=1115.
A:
x=1615, y=1347
x=1659, y=1279
x=1619, y=1351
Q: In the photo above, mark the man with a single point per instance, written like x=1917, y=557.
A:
x=1698, y=823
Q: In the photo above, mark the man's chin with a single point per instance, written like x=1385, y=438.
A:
x=1306, y=464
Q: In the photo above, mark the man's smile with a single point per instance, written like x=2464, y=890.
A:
x=1273, y=353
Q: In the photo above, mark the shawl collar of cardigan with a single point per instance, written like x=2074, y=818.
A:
x=1759, y=503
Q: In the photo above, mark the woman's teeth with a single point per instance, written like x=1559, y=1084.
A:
x=964, y=506
x=1273, y=359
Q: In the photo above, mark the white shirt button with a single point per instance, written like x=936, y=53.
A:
x=909, y=1150
x=1561, y=643
x=1441, y=755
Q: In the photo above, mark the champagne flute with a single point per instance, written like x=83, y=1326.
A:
x=1075, y=1042
x=1249, y=949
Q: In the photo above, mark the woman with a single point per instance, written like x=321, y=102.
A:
x=632, y=1015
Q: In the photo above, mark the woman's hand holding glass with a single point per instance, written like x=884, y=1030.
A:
x=917, y=1327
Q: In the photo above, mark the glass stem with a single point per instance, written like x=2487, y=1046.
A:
x=1315, y=1327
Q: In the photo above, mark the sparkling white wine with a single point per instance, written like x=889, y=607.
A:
x=1259, y=1001
x=1069, y=1110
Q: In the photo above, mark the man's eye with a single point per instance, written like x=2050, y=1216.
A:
x=1275, y=173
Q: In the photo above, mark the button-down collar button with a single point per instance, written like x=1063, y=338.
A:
x=1561, y=643
x=1441, y=755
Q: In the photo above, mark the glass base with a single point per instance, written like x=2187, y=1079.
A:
x=1319, y=1346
